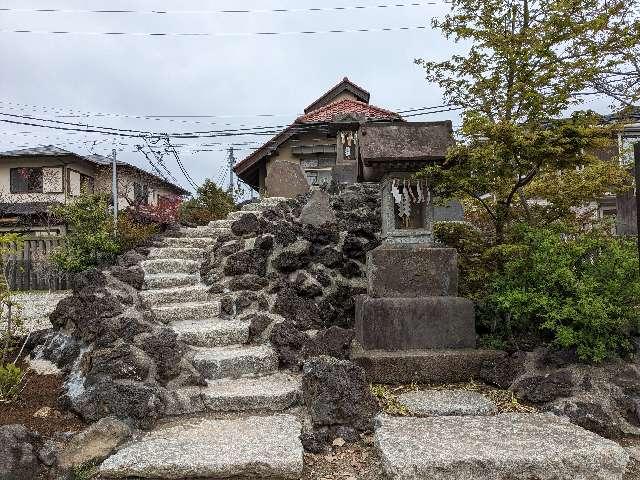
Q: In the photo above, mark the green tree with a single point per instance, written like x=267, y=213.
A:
x=525, y=66
x=211, y=203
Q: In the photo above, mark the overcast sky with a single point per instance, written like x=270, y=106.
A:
x=235, y=78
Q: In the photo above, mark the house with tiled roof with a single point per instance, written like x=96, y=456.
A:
x=324, y=144
x=33, y=179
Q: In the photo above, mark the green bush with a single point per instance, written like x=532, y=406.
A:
x=11, y=378
x=580, y=289
x=211, y=203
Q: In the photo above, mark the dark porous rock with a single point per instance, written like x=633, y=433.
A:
x=248, y=282
x=504, y=371
x=347, y=433
x=131, y=258
x=591, y=415
x=124, y=361
x=216, y=289
x=329, y=257
x=355, y=247
x=320, y=235
x=57, y=347
x=264, y=242
x=245, y=300
x=230, y=247
x=557, y=358
x=133, y=275
x=303, y=312
x=271, y=214
x=336, y=392
x=258, y=323
x=321, y=274
x=166, y=351
x=338, y=307
x=253, y=261
x=333, y=342
x=246, y=224
x=306, y=285
x=351, y=269
x=544, y=388
x=284, y=233
x=627, y=377
x=288, y=343
x=316, y=441
x=18, y=458
x=292, y=258
x=227, y=305
x=89, y=278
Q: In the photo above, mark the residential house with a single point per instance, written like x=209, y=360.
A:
x=33, y=179
x=325, y=144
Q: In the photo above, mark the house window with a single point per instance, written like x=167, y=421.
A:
x=141, y=194
x=312, y=177
x=87, y=184
x=26, y=180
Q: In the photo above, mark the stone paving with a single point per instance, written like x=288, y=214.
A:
x=241, y=379
x=428, y=403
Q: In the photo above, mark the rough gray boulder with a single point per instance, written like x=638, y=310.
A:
x=246, y=224
x=317, y=211
x=508, y=446
x=18, y=458
x=292, y=258
x=253, y=261
x=429, y=403
x=336, y=392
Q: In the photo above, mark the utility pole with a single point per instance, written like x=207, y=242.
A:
x=232, y=162
x=114, y=188
x=636, y=167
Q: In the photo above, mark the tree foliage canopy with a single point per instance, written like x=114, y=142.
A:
x=211, y=203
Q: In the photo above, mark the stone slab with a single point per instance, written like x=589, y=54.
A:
x=318, y=211
x=248, y=448
x=413, y=270
x=442, y=403
x=423, y=366
x=285, y=179
x=508, y=446
x=415, y=323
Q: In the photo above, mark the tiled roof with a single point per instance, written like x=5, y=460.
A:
x=49, y=151
x=346, y=107
x=345, y=85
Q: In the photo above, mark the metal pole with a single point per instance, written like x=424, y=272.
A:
x=232, y=162
x=114, y=188
x=636, y=168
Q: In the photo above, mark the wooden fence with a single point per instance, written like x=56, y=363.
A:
x=28, y=267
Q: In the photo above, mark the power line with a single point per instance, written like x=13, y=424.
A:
x=219, y=34
x=217, y=12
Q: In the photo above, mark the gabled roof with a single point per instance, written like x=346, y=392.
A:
x=99, y=160
x=347, y=107
x=345, y=85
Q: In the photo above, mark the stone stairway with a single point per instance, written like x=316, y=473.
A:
x=244, y=386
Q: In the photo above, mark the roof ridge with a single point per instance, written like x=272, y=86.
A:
x=331, y=105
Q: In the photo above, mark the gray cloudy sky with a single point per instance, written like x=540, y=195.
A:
x=232, y=77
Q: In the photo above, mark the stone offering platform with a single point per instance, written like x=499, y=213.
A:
x=513, y=446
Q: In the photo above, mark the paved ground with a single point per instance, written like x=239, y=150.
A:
x=36, y=307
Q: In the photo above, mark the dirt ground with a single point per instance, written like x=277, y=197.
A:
x=40, y=391
x=349, y=462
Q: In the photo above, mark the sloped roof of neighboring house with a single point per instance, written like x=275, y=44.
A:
x=345, y=85
x=53, y=151
x=24, y=208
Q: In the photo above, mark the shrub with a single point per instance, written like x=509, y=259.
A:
x=132, y=233
x=581, y=289
x=11, y=378
x=211, y=203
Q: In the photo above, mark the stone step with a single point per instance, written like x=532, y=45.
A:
x=201, y=232
x=263, y=204
x=250, y=448
x=160, y=281
x=514, y=446
x=220, y=224
x=191, y=242
x=212, y=333
x=235, y=361
x=185, y=253
x=186, y=311
x=237, y=215
x=272, y=393
x=162, y=296
x=170, y=265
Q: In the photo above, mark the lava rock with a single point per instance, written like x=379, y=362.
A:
x=544, y=388
x=302, y=312
x=264, y=242
x=333, y=342
x=125, y=361
x=320, y=235
x=251, y=261
x=246, y=224
x=292, y=258
x=338, y=307
x=316, y=441
x=288, y=343
x=258, y=323
x=351, y=269
x=503, y=373
x=133, y=275
x=18, y=459
x=230, y=247
x=306, y=285
x=591, y=415
x=248, y=282
x=166, y=351
x=329, y=257
x=336, y=392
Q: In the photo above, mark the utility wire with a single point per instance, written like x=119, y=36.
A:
x=218, y=12
x=217, y=34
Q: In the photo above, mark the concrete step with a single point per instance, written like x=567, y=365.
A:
x=251, y=448
x=184, y=253
x=212, y=333
x=492, y=447
x=170, y=265
x=272, y=393
x=186, y=311
x=220, y=224
x=162, y=296
x=201, y=232
x=190, y=242
x=235, y=361
x=160, y=281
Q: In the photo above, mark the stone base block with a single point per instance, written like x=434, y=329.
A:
x=413, y=270
x=423, y=366
x=415, y=323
